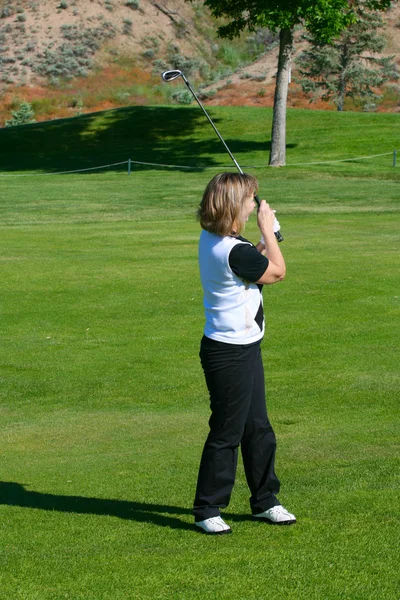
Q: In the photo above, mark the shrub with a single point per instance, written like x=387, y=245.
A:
x=182, y=97
x=209, y=94
x=148, y=53
x=160, y=65
x=127, y=28
x=73, y=56
x=258, y=77
x=180, y=28
x=151, y=42
x=184, y=63
x=23, y=116
x=63, y=4
x=7, y=11
x=133, y=4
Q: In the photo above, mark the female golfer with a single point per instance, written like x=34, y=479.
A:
x=232, y=272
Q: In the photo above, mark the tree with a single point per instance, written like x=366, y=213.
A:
x=324, y=19
x=23, y=116
x=347, y=67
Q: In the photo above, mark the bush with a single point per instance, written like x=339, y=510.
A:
x=258, y=77
x=182, y=97
x=73, y=56
x=180, y=28
x=63, y=4
x=209, y=94
x=23, y=116
x=7, y=11
x=148, y=53
x=133, y=4
x=160, y=65
x=184, y=63
x=127, y=28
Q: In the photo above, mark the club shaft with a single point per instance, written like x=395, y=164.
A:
x=215, y=129
x=179, y=73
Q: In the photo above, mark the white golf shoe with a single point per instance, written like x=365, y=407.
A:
x=214, y=526
x=277, y=515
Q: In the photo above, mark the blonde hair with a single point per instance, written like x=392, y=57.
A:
x=222, y=202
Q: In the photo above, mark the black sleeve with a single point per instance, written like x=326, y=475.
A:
x=247, y=262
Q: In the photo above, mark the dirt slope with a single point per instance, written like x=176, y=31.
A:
x=107, y=47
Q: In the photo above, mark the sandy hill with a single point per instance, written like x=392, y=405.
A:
x=72, y=56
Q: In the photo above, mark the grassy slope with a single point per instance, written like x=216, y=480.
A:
x=181, y=135
x=103, y=404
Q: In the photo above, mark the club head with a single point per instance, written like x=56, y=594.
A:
x=171, y=75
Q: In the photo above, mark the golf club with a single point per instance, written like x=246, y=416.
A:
x=170, y=76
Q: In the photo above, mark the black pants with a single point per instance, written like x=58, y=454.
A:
x=235, y=380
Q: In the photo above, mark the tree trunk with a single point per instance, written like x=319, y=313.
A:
x=277, y=155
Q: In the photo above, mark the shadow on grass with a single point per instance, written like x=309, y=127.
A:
x=162, y=135
x=15, y=494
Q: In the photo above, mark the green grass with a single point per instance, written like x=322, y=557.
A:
x=103, y=405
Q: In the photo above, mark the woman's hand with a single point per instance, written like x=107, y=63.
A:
x=265, y=218
x=276, y=269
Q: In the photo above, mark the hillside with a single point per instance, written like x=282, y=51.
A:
x=69, y=57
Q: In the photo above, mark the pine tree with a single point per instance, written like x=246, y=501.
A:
x=23, y=116
x=347, y=66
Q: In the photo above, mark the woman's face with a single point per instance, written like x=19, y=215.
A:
x=248, y=207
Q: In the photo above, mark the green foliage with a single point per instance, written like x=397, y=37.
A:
x=347, y=67
x=72, y=58
x=180, y=28
x=182, y=97
x=179, y=61
x=7, y=11
x=23, y=116
x=160, y=65
x=229, y=55
x=127, y=27
x=325, y=19
x=208, y=94
x=133, y=4
x=149, y=53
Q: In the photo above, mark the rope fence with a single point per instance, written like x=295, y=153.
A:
x=131, y=162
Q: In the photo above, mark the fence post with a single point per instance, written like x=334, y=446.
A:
x=129, y=166
x=394, y=157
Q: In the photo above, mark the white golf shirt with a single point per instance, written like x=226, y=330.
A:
x=229, y=268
